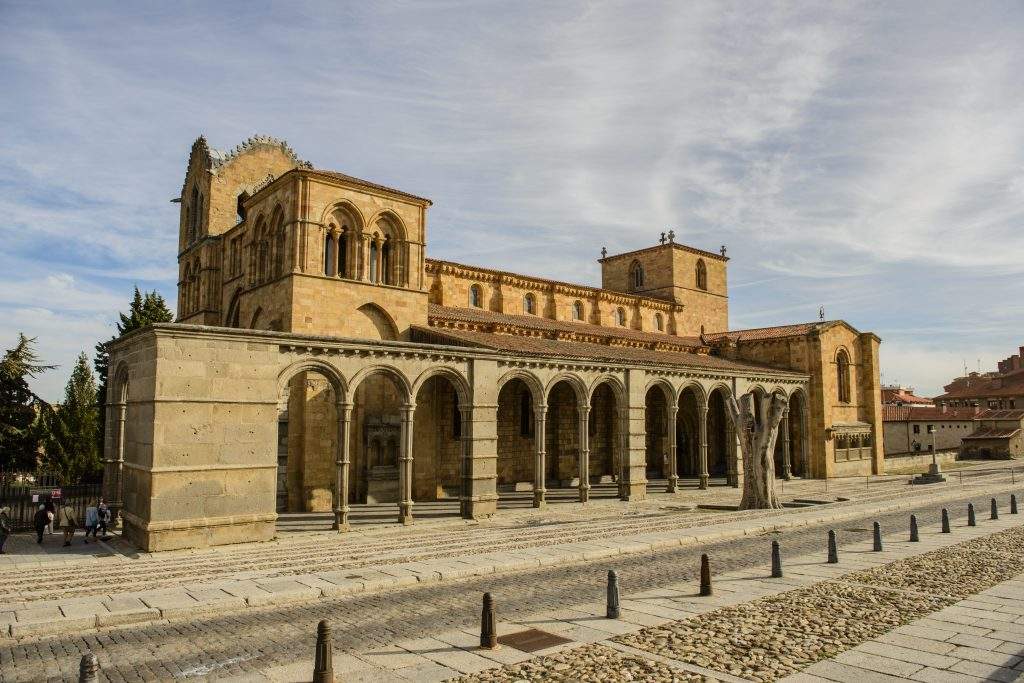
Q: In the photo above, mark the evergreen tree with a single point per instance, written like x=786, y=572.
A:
x=145, y=309
x=71, y=446
x=20, y=409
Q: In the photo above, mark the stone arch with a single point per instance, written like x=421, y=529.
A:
x=843, y=375
x=532, y=382
x=565, y=396
x=313, y=365
x=574, y=381
x=231, y=316
x=691, y=401
x=346, y=209
x=391, y=221
x=257, y=314
x=456, y=379
x=668, y=391
x=277, y=243
x=718, y=431
x=799, y=432
x=701, y=275
x=391, y=372
x=605, y=430
x=379, y=325
x=439, y=467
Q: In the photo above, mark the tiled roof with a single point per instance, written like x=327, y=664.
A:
x=366, y=183
x=891, y=413
x=898, y=396
x=981, y=386
x=762, y=333
x=993, y=433
x=552, y=348
x=478, y=316
x=996, y=414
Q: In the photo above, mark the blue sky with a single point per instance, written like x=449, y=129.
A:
x=866, y=157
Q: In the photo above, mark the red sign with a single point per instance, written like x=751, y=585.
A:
x=55, y=493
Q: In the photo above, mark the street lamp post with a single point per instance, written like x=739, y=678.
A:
x=934, y=475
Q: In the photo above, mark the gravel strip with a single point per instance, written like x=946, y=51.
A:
x=586, y=663
x=773, y=637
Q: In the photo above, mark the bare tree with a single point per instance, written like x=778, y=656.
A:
x=757, y=435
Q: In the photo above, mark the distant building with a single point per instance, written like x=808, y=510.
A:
x=1000, y=390
x=898, y=395
x=905, y=428
x=997, y=434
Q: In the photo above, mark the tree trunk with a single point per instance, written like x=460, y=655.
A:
x=757, y=445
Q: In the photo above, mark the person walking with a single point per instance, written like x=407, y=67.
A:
x=5, y=527
x=39, y=521
x=69, y=522
x=104, y=514
x=92, y=520
x=51, y=511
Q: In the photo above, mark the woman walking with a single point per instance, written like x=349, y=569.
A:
x=68, y=522
x=5, y=527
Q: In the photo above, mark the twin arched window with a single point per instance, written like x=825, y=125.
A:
x=843, y=376
x=475, y=297
x=636, y=275
x=530, y=304
x=577, y=310
x=702, y=275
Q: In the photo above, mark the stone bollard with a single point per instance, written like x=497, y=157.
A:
x=1013, y=504
x=995, y=510
x=705, y=576
x=88, y=669
x=323, y=667
x=613, y=611
x=971, y=519
x=776, y=561
x=488, y=635
x=877, y=547
x=833, y=550
x=945, y=521
x=914, y=538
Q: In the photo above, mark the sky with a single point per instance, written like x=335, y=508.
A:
x=865, y=157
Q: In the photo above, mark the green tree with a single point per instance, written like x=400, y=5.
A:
x=21, y=427
x=70, y=446
x=145, y=309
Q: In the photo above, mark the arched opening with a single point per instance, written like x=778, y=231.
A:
x=843, y=375
x=342, y=260
x=604, y=435
x=233, y=310
x=307, y=445
x=659, y=322
x=562, y=439
x=636, y=275
x=437, y=466
x=702, y=275
x=577, y=310
x=620, y=317
x=373, y=322
x=475, y=297
x=656, y=433
x=393, y=251
x=373, y=262
x=329, y=259
x=688, y=435
x=530, y=304
x=517, y=448
x=376, y=446
x=719, y=450
x=798, y=435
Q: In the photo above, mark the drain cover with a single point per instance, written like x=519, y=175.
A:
x=532, y=640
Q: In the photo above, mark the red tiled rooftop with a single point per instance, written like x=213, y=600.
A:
x=777, y=332
x=993, y=433
x=892, y=413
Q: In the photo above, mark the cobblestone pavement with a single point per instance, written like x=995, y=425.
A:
x=259, y=638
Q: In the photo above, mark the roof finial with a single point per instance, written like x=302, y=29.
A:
x=821, y=313
x=662, y=240
x=722, y=250
x=671, y=236
x=604, y=252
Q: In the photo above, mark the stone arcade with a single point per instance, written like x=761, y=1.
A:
x=320, y=361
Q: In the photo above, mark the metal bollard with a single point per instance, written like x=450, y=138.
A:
x=833, y=550
x=1013, y=504
x=323, y=667
x=88, y=669
x=971, y=519
x=945, y=521
x=995, y=510
x=776, y=561
x=877, y=547
x=914, y=538
x=488, y=635
x=613, y=596
x=705, y=576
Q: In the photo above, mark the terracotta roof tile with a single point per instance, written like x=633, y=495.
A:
x=982, y=387
x=366, y=183
x=891, y=413
x=898, y=396
x=777, y=332
x=997, y=414
x=553, y=348
x=993, y=433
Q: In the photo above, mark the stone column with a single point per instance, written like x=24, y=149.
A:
x=380, y=261
x=364, y=258
x=465, y=464
x=405, y=466
x=672, y=457
x=702, y=443
x=787, y=463
x=540, y=415
x=584, y=431
x=341, y=470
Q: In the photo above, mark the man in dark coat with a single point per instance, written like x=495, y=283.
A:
x=39, y=522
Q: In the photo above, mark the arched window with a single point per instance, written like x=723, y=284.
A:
x=475, y=298
x=530, y=304
x=843, y=375
x=636, y=275
x=240, y=206
x=577, y=310
x=702, y=275
x=659, y=322
x=373, y=261
x=620, y=317
x=342, y=270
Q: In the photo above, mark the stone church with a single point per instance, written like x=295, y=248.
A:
x=320, y=361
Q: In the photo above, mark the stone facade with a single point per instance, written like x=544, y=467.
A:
x=321, y=361
x=998, y=434
x=905, y=428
